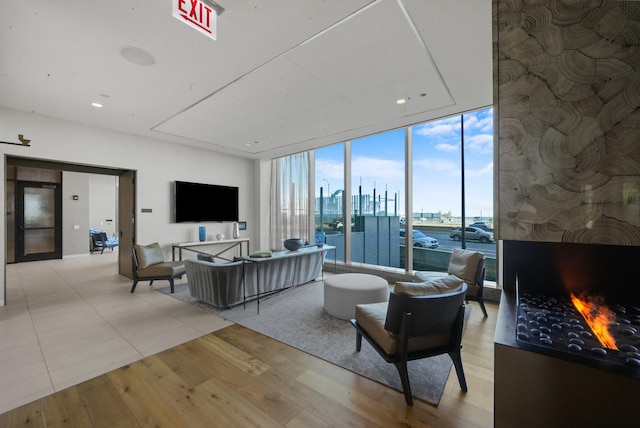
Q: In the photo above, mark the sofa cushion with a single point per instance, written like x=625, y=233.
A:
x=206, y=257
x=429, y=275
x=162, y=269
x=445, y=284
x=371, y=318
x=148, y=255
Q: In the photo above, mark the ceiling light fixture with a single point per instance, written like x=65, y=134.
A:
x=97, y=105
x=137, y=56
x=401, y=101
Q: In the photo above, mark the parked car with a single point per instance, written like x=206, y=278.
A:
x=481, y=225
x=472, y=233
x=420, y=239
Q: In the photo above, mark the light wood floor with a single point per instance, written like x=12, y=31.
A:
x=236, y=377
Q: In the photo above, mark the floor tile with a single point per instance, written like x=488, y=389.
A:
x=67, y=321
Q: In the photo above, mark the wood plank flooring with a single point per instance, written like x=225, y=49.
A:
x=236, y=377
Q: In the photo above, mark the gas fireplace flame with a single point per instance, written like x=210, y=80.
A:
x=598, y=317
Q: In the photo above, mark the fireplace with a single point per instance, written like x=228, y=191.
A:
x=547, y=354
x=578, y=302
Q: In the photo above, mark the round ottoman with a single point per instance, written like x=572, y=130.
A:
x=343, y=292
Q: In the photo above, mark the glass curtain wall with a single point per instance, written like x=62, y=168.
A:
x=329, y=194
x=452, y=186
x=377, y=187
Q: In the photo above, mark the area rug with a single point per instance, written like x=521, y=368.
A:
x=296, y=317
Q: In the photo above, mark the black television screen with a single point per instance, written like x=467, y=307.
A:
x=197, y=202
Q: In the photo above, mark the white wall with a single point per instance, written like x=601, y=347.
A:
x=157, y=165
x=75, y=213
x=103, y=200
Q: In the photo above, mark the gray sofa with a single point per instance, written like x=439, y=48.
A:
x=221, y=284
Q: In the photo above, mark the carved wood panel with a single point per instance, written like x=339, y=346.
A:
x=567, y=94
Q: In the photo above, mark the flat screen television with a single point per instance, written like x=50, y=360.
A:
x=198, y=202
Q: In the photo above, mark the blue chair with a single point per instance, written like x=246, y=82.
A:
x=100, y=241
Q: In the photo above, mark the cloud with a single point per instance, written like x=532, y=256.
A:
x=329, y=169
x=444, y=147
x=444, y=134
x=445, y=127
x=435, y=165
x=484, y=171
x=380, y=170
x=480, y=143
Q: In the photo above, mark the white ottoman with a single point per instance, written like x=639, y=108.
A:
x=343, y=292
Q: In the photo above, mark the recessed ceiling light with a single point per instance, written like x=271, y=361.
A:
x=137, y=56
x=401, y=101
x=96, y=105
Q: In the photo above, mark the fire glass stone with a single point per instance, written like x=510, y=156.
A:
x=574, y=348
x=627, y=348
x=633, y=362
x=599, y=351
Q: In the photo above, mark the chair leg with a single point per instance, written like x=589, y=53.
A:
x=171, y=283
x=135, y=282
x=404, y=378
x=457, y=362
x=358, y=341
x=484, y=310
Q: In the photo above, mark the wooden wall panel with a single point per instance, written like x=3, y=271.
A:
x=567, y=96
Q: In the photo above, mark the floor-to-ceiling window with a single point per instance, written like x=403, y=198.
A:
x=329, y=194
x=451, y=176
x=452, y=188
x=377, y=185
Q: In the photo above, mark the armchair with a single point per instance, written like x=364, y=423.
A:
x=100, y=241
x=149, y=265
x=470, y=267
x=411, y=327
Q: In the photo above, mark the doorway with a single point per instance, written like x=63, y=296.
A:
x=34, y=209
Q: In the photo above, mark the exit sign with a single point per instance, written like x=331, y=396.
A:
x=197, y=14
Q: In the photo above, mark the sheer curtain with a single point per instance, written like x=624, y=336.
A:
x=291, y=215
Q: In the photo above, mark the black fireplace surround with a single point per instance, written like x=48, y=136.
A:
x=543, y=275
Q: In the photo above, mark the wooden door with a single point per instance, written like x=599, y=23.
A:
x=126, y=222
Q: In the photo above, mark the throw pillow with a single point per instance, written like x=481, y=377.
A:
x=445, y=284
x=148, y=255
x=464, y=264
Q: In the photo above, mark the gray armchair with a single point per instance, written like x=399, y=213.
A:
x=149, y=265
x=467, y=265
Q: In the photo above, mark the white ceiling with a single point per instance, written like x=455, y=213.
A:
x=283, y=76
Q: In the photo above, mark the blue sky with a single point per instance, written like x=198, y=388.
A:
x=378, y=161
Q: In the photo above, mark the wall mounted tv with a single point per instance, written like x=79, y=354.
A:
x=197, y=202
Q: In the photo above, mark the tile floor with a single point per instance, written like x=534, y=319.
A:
x=70, y=320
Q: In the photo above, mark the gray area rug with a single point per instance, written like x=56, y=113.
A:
x=296, y=317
